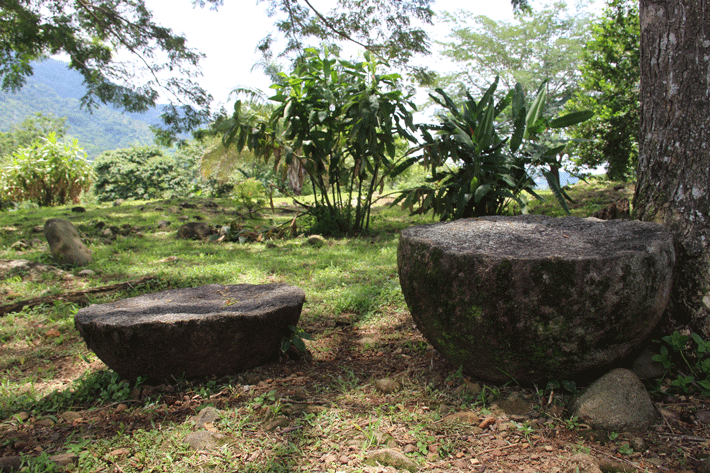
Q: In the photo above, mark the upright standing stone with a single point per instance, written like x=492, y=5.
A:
x=65, y=243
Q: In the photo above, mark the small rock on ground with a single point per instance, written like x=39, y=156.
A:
x=616, y=402
x=393, y=458
x=8, y=464
x=276, y=423
x=65, y=460
x=468, y=417
x=581, y=463
x=316, y=240
x=203, y=440
x=207, y=415
x=387, y=385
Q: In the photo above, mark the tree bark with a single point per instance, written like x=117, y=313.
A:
x=674, y=145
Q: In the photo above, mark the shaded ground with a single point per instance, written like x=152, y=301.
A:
x=329, y=408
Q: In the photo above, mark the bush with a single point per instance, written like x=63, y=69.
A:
x=47, y=173
x=139, y=173
x=250, y=195
x=478, y=164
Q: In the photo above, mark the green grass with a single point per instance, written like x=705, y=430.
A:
x=352, y=291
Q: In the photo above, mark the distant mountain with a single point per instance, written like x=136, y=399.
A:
x=55, y=89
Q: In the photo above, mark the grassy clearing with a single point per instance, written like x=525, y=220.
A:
x=322, y=413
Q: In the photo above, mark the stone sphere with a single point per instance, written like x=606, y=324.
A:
x=533, y=298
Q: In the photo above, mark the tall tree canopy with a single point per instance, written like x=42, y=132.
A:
x=535, y=46
x=128, y=59
x=94, y=35
x=609, y=87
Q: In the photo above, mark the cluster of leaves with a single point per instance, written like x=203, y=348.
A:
x=341, y=122
x=250, y=195
x=141, y=173
x=610, y=87
x=475, y=171
x=33, y=128
x=296, y=339
x=387, y=29
x=545, y=44
x=688, y=359
x=48, y=172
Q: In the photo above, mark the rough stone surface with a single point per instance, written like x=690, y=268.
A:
x=195, y=231
x=391, y=457
x=387, y=385
x=65, y=243
x=645, y=367
x=203, y=440
x=581, y=463
x=208, y=415
x=533, y=298
x=10, y=464
x=316, y=240
x=192, y=332
x=616, y=402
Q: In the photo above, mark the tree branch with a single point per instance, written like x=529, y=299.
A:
x=336, y=31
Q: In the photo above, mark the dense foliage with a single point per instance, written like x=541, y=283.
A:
x=610, y=87
x=341, y=121
x=546, y=44
x=141, y=173
x=48, y=172
x=31, y=129
x=477, y=165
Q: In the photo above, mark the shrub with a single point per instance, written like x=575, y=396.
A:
x=250, y=195
x=479, y=164
x=138, y=173
x=48, y=173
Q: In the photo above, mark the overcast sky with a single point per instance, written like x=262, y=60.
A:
x=229, y=36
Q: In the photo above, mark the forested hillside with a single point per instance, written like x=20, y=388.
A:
x=57, y=90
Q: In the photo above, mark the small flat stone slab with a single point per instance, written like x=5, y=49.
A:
x=192, y=332
x=533, y=298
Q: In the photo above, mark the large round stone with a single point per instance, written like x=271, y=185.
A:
x=533, y=298
x=192, y=332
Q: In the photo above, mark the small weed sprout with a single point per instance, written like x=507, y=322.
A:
x=689, y=365
x=572, y=423
x=526, y=429
x=296, y=339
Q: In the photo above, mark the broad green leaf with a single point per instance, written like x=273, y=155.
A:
x=536, y=109
x=484, y=133
x=557, y=191
x=518, y=107
x=553, y=151
x=571, y=119
x=481, y=192
x=449, y=103
x=518, y=131
x=487, y=99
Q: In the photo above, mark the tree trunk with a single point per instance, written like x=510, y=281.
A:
x=674, y=156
